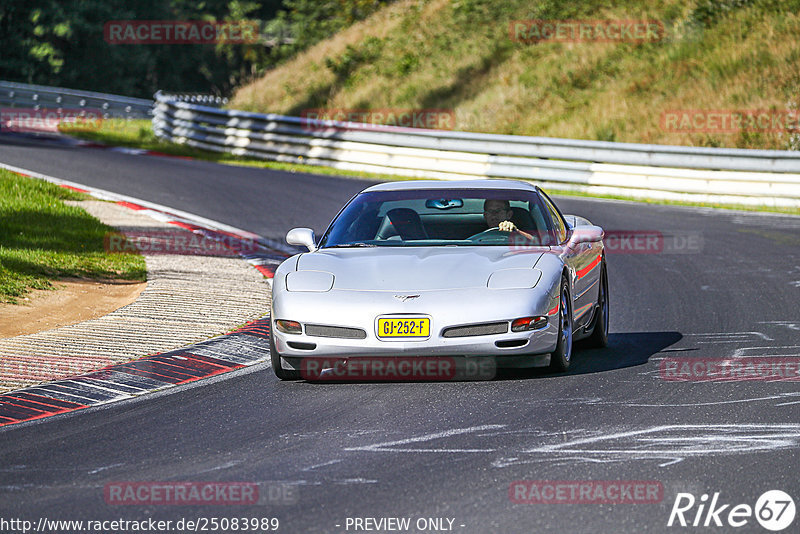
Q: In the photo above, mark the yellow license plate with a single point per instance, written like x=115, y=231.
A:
x=404, y=327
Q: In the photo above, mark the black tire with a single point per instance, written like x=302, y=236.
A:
x=599, y=337
x=561, y=358
x=280, y=372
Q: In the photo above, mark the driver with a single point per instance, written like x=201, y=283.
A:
x=498, y=213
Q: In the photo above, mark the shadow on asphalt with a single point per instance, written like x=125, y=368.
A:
x=623, y=350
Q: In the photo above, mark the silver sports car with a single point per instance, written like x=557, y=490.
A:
x=420, y=270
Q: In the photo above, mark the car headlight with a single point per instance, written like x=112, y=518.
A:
x=524, y=324
x=288, y=327
x=319, y=281
x=514, y=279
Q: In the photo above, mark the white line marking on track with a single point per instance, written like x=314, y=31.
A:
x=323, y=464
x=103, y=468
x=730, y=337
x=390, y=446
x=673, y=443
x=772, y=351
x=791, y=325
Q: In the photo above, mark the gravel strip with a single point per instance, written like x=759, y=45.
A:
x=188, y=298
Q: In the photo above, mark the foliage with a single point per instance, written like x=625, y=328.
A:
x=314, y=20
x=61, y=43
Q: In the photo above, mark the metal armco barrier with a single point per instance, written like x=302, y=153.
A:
x=736, y=176
x=21, y=95
x=199, y=98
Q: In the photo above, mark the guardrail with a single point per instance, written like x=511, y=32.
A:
x=197, y=98
x=736, y=176
x=21, y=95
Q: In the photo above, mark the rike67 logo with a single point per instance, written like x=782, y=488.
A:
x=774, y=510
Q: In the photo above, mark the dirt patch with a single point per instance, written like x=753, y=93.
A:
x=74, y=301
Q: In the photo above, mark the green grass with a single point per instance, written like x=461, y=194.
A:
x=42, y=239
x=131, y=133
x=138, y=134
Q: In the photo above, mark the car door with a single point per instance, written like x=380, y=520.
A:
x=583, y=261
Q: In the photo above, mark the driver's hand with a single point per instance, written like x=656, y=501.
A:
x=507, y=226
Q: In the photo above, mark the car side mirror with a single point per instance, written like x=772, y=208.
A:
x=302, y=237
x=586, y=234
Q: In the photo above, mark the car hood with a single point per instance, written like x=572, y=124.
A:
x=415, y=268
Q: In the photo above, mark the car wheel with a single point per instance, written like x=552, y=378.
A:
x=280, y=372
x=599, y=337
x=560, y=358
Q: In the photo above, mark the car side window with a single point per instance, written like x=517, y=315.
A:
x=542, y=220
x=558, y=223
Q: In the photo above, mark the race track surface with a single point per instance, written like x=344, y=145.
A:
x=449, y=450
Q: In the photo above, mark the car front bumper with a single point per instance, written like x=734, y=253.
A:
x=444, y=308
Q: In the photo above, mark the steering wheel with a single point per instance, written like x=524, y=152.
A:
x=492, y=234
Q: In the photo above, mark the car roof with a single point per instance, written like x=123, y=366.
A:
x=452, y=184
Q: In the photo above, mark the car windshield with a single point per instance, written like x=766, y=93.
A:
x=441, y=217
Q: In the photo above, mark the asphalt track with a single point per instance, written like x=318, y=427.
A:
x=448, y=450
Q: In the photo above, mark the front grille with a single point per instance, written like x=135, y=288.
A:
x=321, y=330
x=484, y=329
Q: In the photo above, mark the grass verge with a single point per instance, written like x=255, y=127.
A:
x=139, y=134
x=44, y=239
x=469, y=57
